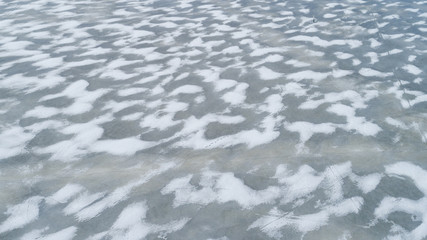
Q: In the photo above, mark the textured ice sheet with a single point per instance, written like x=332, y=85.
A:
x=213, y=119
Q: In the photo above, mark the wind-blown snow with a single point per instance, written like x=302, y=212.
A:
x=212, y=119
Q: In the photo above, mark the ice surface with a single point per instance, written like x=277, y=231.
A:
x=213, y=119
x=309, y=75
x=63, y=194
x=416, y=207
x=66, y=234
x=323, y=43
x=412, y=69
x=21, y=214
x=369, y=72
x=268, y=74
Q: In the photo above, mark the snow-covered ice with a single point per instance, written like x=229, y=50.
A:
x=213, y=119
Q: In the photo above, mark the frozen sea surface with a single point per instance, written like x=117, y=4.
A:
x=206, y=119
